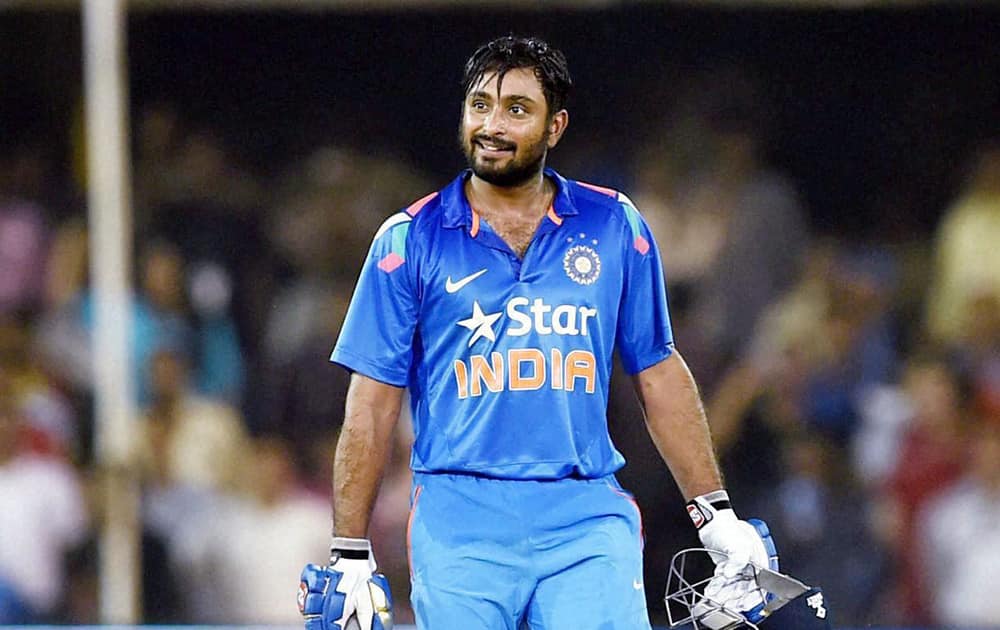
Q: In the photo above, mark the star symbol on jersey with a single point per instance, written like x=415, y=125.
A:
x=481, y=324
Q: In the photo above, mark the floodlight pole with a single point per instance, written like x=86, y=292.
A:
x=110, y=229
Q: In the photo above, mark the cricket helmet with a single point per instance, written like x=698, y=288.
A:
x=789, y=604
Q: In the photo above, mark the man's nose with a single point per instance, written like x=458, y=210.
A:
x=495, y=122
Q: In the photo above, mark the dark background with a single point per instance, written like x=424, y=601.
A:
x=873, y=111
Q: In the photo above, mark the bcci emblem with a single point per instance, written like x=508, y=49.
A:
x=582, y=264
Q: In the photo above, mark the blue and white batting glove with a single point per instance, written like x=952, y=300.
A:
x=347, y=594
x=738, y=545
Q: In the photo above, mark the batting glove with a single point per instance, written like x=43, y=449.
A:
x=348, y=593
x=739, y=546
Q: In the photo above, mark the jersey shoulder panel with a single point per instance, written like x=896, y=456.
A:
x=619, y=205
x=587, y=195
x=426, y=213
x=390, y=244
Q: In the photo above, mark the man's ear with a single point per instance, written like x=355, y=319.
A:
x=557, y=125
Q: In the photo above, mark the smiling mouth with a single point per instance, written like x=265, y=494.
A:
x=493, y=147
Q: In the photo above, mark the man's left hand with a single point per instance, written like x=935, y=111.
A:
x=739, y=544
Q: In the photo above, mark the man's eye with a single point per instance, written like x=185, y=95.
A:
x=517, y=110
x=479, y=106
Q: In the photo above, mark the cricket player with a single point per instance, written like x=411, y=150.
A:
x=499, y=301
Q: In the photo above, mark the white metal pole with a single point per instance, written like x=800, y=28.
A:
x=110, y=265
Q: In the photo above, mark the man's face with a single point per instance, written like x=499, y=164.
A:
x=506, y=133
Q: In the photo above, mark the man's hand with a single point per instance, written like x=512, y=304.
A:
x=347, y=593
x=739, y=544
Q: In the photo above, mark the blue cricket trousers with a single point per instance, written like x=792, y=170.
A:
x=494, y=554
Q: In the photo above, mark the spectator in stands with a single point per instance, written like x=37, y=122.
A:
x=23, y=243
x=817, y=501
x=42, y=516
x=814, y=353
x=211, y=212
x=931, y=455
x=49, y=421
x=328, y=198
x=966, y=256
x=193, y=315
x=162, y=316
x=217, y=345
x=960, y=540
x=303, y=401
x=859, y=332
x=262, y=536
x=192, y=451
x=197, y=441
x=737, y=224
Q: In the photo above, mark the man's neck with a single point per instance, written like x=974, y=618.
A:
x=527, y=200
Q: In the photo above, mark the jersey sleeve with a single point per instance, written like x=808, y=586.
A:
x=377, y=336
x=644, y=336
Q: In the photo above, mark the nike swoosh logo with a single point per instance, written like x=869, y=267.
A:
x=451, y=287
x=637, y=585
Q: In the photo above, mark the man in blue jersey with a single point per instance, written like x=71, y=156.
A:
x=498, y=301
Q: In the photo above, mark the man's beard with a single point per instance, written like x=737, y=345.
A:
x=517, y=171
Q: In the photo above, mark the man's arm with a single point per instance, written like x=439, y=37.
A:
x=347, y=590
x=370, y=415
x=676, y=421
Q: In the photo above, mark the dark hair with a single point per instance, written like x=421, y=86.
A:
x=511, y=52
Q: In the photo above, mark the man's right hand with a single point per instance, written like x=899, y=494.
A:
x=346, y=592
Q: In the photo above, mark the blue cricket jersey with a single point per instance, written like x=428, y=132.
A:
x=508, y=360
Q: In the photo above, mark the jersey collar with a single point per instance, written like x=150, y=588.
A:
x=458, y=213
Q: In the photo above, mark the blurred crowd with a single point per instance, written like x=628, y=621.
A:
x=853, y=386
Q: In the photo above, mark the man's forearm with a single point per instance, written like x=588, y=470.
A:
x=362, y=450
x=676, y=421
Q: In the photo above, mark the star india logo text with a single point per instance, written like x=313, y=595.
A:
x=526, y=368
